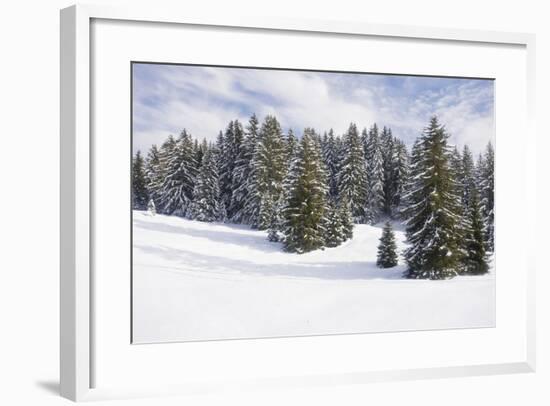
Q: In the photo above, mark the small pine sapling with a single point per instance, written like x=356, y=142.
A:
x=387, y=255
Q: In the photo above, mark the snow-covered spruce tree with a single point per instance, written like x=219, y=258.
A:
x=331, y=160
x=177, y=188
x=456, y=166
x=206, y=205
x=467, y=179
x=479, y=175
x=306, y=205
x=346, y=219
x=334, y=235
x=365, y=138
x=387, y=249
x=268, y=168
x=339, y=147
x=475, y=260
x=375, y=177
x=197, y=152
x=157, y=167
x=291, y=149
x=386, y=141
x=151, y=166
x=432, y=212
x=200, y=150
x=399, y=177
x=462, y=164
x=352, y=178
x=242, y=172
x=411, y=193
x=488, y=196
x=140, y=197
x=387, y=146
x=230, y=152
x=291, y=146
x=220, y=144
x=224, y=146
x=455, y=163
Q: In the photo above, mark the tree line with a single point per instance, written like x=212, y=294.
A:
x=308, y=192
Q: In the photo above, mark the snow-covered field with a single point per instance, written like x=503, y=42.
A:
x=203, y=281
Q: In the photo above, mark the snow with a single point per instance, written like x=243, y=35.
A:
x=204, y=281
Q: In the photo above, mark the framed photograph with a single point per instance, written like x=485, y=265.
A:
x=291, y=202
x=255, y=230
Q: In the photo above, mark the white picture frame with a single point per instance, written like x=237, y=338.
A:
x=77, y=188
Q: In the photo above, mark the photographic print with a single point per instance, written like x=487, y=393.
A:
x=286, y=202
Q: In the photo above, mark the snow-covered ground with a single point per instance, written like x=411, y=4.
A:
x=203, y=281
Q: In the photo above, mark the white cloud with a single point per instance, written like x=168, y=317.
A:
x=204, y=99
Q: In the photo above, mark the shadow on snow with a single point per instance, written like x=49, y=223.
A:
x=218, y=236
x=196, y=263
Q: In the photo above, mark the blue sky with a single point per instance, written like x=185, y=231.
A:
x=168, y=98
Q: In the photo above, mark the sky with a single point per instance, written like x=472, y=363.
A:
x=202, y=99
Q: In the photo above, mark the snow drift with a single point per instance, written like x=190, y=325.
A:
x=205, y=281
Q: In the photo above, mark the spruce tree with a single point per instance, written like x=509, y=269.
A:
x=387, y=249
x=455, y=164
x=365, y=139
x=488, y=196
x=157, y=168
x=399, y=177
x=339, y=148
x=151, y=168
x=433, y=216
x=224, y=144
x=177, y=188
x=200, y=150
x=387, y=147
x=242, y=174
x=375, y=176
x=207, y=205
x=229, y=154
x=156, y=173
x=478, y=173
x=140, y=197
x=268, y=168
x=291, y=146
x=386, y=140
x=467, y=179
x=332, y=161
x=306, y=205
x=352, y=179
x=220, y=146
x=475, y=260
x=460, y=185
